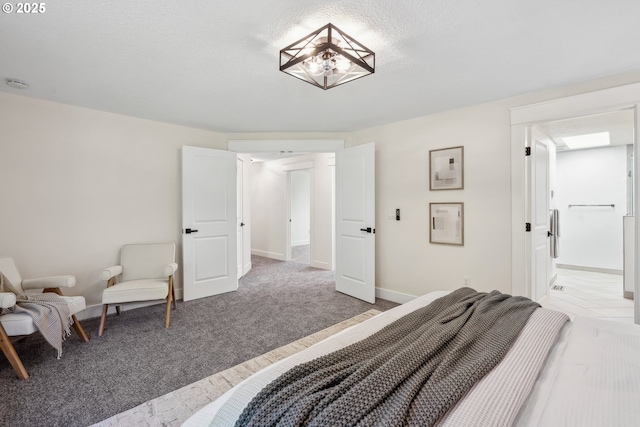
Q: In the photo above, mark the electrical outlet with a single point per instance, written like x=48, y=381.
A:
x=467, y=281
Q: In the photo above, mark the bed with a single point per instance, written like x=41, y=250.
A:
x=558, y=372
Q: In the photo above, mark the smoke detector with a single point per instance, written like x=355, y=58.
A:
x=16, y=84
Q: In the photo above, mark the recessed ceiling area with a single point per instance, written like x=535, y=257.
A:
x=214, y=65
x=619, y=125
x=276, y=155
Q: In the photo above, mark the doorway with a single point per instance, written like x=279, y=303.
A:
x=522, y=119
x=352, y=220
x=590, y=197
x=292, y=207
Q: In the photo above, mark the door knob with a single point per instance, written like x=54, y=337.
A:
x=368, y=229
x=189, y=231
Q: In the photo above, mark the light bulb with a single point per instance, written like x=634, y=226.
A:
x=342, y=64
x=313, y=67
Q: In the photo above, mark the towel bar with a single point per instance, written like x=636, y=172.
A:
x=609, y=206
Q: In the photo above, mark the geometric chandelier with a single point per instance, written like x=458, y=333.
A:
x=327, y=58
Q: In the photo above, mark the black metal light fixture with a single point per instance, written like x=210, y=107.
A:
x=327, y=58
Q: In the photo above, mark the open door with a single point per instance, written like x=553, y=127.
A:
x=355, y=222
x=539, y=213
x=239, y=217
x=209, y=222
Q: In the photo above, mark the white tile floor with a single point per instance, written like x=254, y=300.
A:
x=590, y=294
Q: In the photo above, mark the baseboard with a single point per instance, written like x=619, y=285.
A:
x=553, y=279
x=301, y=243
x=393, y=296
x=267, y=254
x=95, y=310
x=592, y=269
x=247, y=268
x=320, y=264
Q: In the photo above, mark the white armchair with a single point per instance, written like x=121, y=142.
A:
x=146, y=272
x=18, y=325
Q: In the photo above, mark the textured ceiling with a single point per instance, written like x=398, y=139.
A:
x=214, y=64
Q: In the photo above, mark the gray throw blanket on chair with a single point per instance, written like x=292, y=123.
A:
x=408, y=373
x=50, y=313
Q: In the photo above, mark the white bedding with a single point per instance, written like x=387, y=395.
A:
x=591, y=377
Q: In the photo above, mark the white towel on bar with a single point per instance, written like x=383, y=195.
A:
x=554, y=226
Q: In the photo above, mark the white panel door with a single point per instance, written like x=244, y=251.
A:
x=355, y=222
x=209, y=222
x=539, y=213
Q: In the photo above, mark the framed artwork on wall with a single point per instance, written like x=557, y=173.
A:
x=446, y=169
x=446, y=223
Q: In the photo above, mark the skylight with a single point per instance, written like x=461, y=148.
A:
x=588, y=140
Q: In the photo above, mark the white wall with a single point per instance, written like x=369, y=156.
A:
x=406, y=263
x=269, y=208
x=300, y=207
x=592, y=236
x=322, y=209
x=405, y=260
x=76, y=184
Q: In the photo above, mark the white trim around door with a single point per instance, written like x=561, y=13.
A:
x=601, y=101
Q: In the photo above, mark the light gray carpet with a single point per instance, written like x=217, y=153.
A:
x=300, y=254
x=137, y=359
x=174, y=408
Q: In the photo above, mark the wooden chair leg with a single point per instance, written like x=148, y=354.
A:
x=103, y=319
x=167, y=321
x=173, y=295
x=10, y=352
x=118, y=310
x=79, y=329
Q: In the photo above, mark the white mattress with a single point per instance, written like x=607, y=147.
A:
x=590, y=378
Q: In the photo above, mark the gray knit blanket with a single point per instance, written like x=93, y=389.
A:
x=50, y=313
x=408, y=373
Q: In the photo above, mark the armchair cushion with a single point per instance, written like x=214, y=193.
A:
x=7, y=299
x=110, y=272
x=49, y=282
x=16, y=324
x=136, y=290
x=170, y=269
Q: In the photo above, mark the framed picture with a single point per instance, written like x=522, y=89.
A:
x=446, y=169
x=446, y=223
